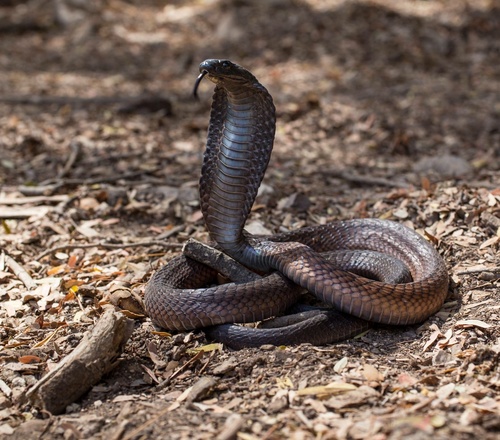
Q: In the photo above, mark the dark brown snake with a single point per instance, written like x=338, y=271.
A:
x=239, y=144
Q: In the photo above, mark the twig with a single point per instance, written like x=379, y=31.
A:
x=121, y=156
x=219, y=261
x=102, y=179
x=35, y=191
x=479, y=270
x=75, y=147
x=481, y=184
x=13, y=212
x=19, y=272
x=34, y=200
x=364, y=180
x=171, y=232
x=73, y=100
x=179, y=370
x=70, y=246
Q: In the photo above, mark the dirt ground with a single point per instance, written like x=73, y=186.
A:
x=386, y=108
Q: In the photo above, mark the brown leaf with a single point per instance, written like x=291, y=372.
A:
x=29, y=359
x=468, y=323
x=56, y=270
x=372, y=374
x=352, y=398
x=407, y=380
x=331, y=388
x=73, y=259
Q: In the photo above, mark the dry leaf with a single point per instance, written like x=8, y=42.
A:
x=353, y=398
x=340, y=365
x=433, y=337
x=153, y=353
x=490, y=242
x=406, y=380
x=56, y=270
x=29, y=359
x=125, y=398
x=445, y=391
x=206, y=348
x=13, y=306
x=284, y=382
x=47, y=339
x=161, y=334
x=449, y=340
x=467, y=323
x=72, y=261
x=331, y=388
x=372, y=374
x=5, y=388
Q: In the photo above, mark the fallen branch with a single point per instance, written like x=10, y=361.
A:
x=171, y=232
x=96, y=180
x=95, y=356
x=152, y=103
x=19, y=272
x=18, y=213
x=75, y=148
x=219, y=261
x=34, y=200
x=479, y=270
x=363, y=180
x=103, y=245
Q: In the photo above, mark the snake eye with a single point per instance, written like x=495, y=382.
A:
x=226, y=64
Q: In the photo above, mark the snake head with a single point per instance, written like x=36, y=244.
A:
x=224, y=73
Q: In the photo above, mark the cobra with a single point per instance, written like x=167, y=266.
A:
x=239, y=144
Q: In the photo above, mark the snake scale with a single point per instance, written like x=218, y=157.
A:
x=239, y=144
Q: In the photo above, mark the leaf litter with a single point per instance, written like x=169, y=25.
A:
x=401, y=126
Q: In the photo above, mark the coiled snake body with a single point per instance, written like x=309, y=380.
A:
x=239, y=144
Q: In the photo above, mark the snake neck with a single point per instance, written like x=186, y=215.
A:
x=239, y=144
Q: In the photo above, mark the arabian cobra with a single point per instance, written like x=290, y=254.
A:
x=239, y=144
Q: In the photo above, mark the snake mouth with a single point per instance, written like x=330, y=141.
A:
x=198, y=81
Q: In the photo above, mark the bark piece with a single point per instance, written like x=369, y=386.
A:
x=490, y=220
x=202, y=389
x=95, y=356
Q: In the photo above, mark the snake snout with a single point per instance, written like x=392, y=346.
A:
x=214, y=68
x=218, y=67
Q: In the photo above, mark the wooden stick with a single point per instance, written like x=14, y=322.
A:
x=219, y=261
x=363, y=180
x=33, y=200
x=75, y=147
x=102, y=179
x=96, y=355
x=11, y=213
x=77, y=101
x=70, y=246
x=20, y=272
x=480, y=270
